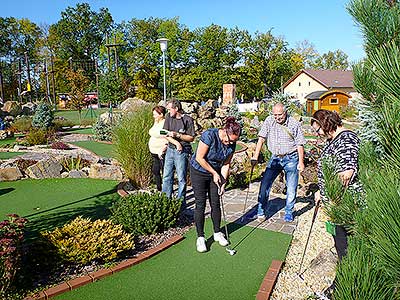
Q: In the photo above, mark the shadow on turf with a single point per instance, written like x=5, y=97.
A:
x=5, y=191
x=57, y=216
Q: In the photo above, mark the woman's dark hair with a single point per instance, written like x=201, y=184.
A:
x=328, y=120
x=231, y=126
x=160, y=110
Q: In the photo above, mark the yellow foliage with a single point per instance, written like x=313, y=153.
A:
x=82, y=240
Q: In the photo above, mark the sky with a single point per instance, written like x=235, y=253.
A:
x=324, y=23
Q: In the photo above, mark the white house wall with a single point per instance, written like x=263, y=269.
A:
x=307, y=86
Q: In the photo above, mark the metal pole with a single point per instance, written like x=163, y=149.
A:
x=48, y=98
x=28, y=70
x=1, y=82
x=97, y=83
x=53, y=82
x=165, y=88
x=20, y=80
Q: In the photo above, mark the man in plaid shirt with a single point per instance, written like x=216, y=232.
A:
x=286, y=141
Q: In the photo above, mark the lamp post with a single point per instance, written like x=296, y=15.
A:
x=163, y=45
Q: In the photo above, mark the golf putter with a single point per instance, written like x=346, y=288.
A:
x=247, y=193
x=308, y=239
x=230, y=251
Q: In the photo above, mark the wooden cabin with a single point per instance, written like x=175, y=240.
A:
x=330, y=100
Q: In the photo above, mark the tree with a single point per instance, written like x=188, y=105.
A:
x=111, y=89
x=78, y=84
x=80, y=32
x=336, y=60
x=307, y=52
x=17, y=36
x=268, y=63
x=371, y=269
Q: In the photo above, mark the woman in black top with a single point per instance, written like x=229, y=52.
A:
x=342, y=147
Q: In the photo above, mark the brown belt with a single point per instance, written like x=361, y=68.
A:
x=283, y=155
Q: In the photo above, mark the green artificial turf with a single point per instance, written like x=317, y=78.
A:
x=101, y=149
x=182, y=273
x=7, y=141
x=50, y=203
x=88, y=130
x=7, y=155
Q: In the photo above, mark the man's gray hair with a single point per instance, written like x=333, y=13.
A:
x=176, y=104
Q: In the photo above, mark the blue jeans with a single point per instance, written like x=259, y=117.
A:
x=178, y=161
x=275, y=165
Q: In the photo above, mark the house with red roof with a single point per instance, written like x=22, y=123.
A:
x=307, y=81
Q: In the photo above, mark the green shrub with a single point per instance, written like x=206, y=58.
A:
x=22, y=124
x=348, y=112
x=43, y=117
x=342, y=203
x=74, y=163
x=60, y=122
x=131, y=136
x=102, y=130
x=144, y=213
x=82, y=241
x=11, y=236
x=37, y=137
x=361, y=276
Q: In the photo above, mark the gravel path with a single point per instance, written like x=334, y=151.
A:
x=319, y=262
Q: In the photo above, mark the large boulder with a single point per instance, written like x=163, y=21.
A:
x=110, y=172
x=28, y=108
x=10, y=174
x=45, y=168
x=132, y=104
x=12, y=108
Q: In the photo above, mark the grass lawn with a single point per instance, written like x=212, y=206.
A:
x=50, y=203
x=7, y=155
x=73, y=115
x=182, y=273
x=101, y=149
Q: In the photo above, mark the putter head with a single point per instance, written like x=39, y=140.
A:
x=300, y=275
x=231, y=251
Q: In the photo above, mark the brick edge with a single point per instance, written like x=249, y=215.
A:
x=267, y=285
x=99, y=274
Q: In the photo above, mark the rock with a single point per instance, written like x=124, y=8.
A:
x=132, y=104
x=64, y=174
x=10, y=174
x=18, y=148
x=77, y=174
x=28, y=108
x=45, y=168
x=13, y=108
x=105, y=172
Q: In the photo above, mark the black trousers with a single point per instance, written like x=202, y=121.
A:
x=156, y=169
x=203, y=186
x=341, y=241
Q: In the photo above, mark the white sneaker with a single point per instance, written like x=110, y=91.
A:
x=201, y=244
x=219, y=237
x=261, y=218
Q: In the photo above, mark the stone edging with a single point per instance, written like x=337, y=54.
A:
x=120, y=189
x=269, y=280
x=94, y=276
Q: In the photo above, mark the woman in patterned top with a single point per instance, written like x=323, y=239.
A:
x=209, y=170
x=342, y=147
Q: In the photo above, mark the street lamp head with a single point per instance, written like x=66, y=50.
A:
x=163, y=44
